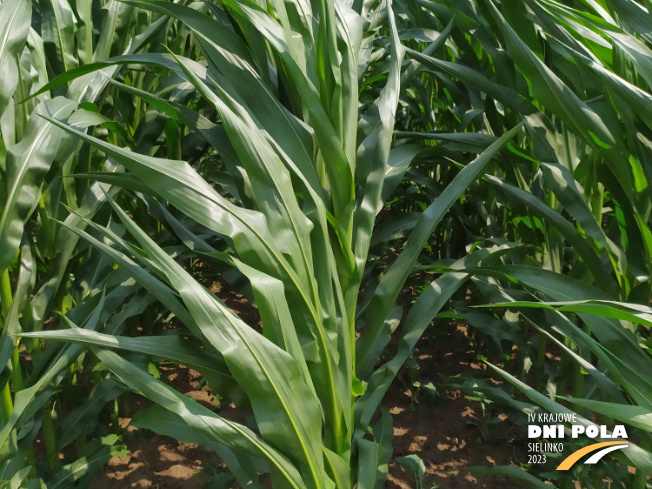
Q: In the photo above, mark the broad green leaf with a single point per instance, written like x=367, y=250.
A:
x=621, y=342
x=637, y=416
x=23, y=289
x=505, y=95
x=27, y=163
x=565, y=228
x=167, y=423
x=58, y=30
x=375, y=455
x=617, y=310
x=228, y=433
x=174, y=348
x=29, y=400
x=426, y=307
x=393, y=279
x=267, y=374
x=80, y=419
x=96, y=456
x=14, y=28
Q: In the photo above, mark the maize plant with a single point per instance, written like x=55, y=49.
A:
x=262, y=139
x=577, y=193
x=309, y=163
x=44, y=267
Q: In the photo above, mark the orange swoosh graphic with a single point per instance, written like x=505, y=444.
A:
x=575, y=456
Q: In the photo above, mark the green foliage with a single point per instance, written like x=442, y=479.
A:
x=307, y=181
x=575, y=191
x=46, y=271
x=319, y=157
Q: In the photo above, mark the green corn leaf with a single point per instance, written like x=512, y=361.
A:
x=167, y=423
x=84, y=14
x=375, y=455
x=83, y=418
x=551, y=90
x=426, y=307
x=264, y=360
x=605, y=382
x=621, y=342
x=27, y=163
x=228, y=433
x=58, y=30
x=97, y=455
x=29, y=400
x=637, y=416
x=565, y=228
x=172, y=348
x=627, y=311
x=373, y=158
x=14, y=28
x=24, y=287
x=392, y=281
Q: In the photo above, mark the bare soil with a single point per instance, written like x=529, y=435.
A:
x=447, y=435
